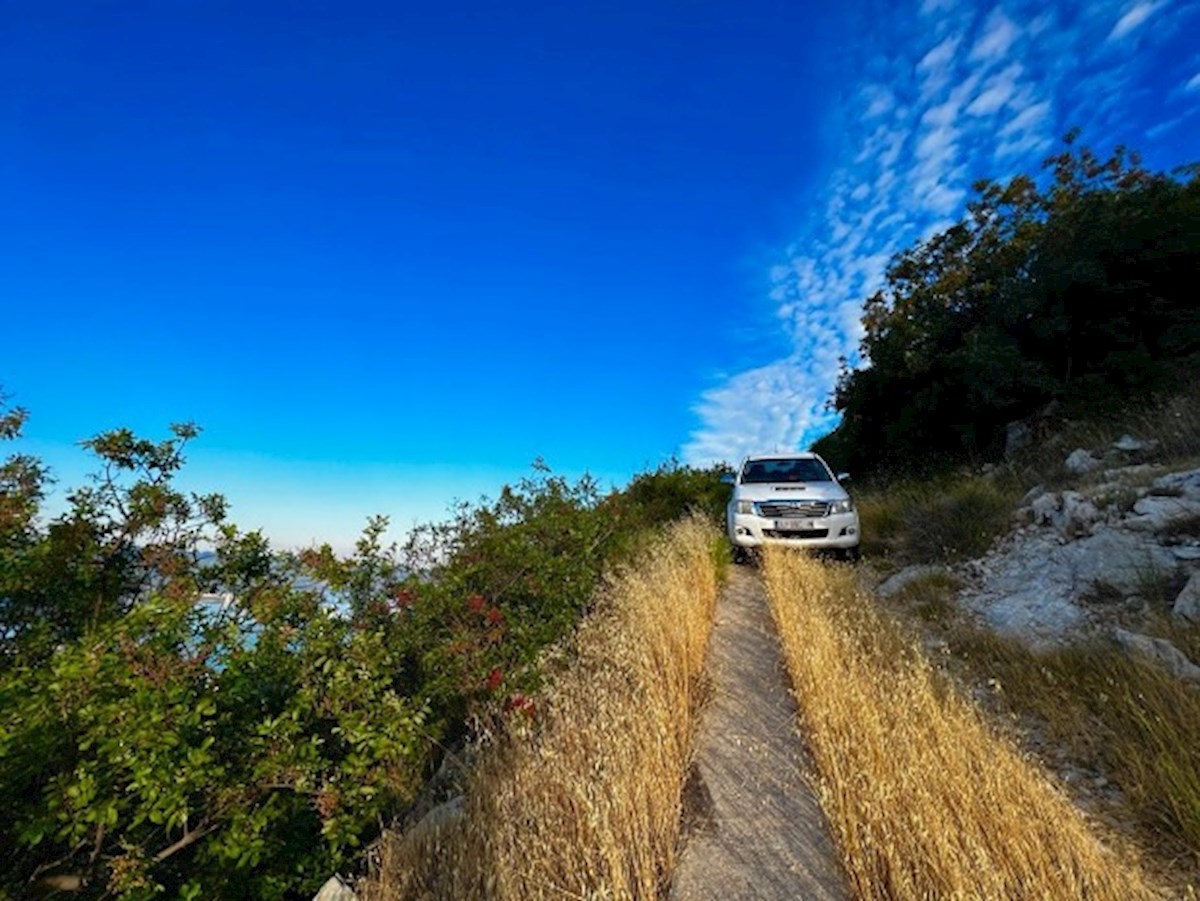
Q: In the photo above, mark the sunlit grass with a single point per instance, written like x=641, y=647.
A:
x=584, y=799
x=1141, y=725
x=925, y=800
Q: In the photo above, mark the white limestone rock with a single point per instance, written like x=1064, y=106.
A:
x=1080, y=462
x=1160, y=653
x=1187, y=602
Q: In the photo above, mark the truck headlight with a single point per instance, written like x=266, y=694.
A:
x=846, y=506
x=745, y=507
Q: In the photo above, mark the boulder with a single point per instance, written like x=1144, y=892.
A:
x=1032, y=495
x=1186, y=483
x=335, y=889
x=1046, y=509
x=1156, y=513
x=1187, y=602
x=898, y=581
x=1158, y=652
x=1071, y=513
x=1080, y=462
x=1079, y=514
x=1030, y=587
x=1127, y=444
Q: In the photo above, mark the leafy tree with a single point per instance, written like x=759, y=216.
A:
x=1075, y=291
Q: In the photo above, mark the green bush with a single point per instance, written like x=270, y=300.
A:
x=151, y=745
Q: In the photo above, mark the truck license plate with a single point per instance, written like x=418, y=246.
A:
x=793, y=525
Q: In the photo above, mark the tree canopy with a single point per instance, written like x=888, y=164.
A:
x=1078, y=287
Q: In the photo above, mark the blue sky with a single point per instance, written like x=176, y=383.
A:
x=386, y=254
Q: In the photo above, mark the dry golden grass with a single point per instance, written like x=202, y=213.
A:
x=925, y=801
x=1138, y=724
x=585, y=802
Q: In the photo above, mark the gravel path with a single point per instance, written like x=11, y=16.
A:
x=752, y=827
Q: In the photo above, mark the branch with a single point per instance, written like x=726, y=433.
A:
x=189, y=838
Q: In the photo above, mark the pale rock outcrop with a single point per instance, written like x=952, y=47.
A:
x=1030, y=586
x=1187, y=602
x=1081, y=461
x=1156, y=513
x=1129, y=445
x=335, y=889
x=1072, y=514
x=1037, y=583
x=898, y=581
x=1159, y=652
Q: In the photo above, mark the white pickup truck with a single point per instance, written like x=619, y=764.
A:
x=792, y=500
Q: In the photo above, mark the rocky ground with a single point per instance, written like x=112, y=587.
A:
x=1096, y=561
x=1112, y=559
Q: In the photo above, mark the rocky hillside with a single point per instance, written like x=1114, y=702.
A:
x=1116, y=551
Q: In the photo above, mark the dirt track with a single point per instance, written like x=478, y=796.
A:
x=753, y=828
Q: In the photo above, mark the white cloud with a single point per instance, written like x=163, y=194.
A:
x=1132, y=18
x=999, y=34
x=880, y=100
x=772, y=407
x=935, y=7
x=940, y=56
x=938, y=143
x=1193, y=83
x=998, y=91
x=937, y=66
x=1027, y=119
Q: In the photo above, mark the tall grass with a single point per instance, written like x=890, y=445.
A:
x=584, y=801
x=924, y=799
x=1140, y=724
x=936, y=520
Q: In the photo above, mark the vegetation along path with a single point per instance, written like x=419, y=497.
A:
x=753, y=826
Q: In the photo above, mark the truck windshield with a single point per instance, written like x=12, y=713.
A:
x=785, y=470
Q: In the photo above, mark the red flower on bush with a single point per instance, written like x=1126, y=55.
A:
x=494, y=616
x=476, y=603
x=404, y=598
x=518, y=703
x=495, y=677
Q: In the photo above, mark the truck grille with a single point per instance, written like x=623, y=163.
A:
x=782, y=509
x=806, y=534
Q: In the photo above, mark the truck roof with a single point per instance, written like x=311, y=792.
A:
x=784, y=455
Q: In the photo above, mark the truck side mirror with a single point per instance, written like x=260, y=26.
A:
x=843, y=477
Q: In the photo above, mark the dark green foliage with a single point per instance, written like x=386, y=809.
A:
x=1081, y=292
x=151, y=745
x=672, y=490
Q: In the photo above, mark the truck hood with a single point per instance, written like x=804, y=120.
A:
x=800, y=491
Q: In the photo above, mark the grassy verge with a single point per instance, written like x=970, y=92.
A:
x=583, y=798
x=1138, y=725
x=924, y=799
x=927, y=521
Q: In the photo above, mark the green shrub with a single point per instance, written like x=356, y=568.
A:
x=150, y=744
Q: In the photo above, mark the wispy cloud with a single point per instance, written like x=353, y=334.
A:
x=999, y=34
x=955, y=92
x=1132, y=19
